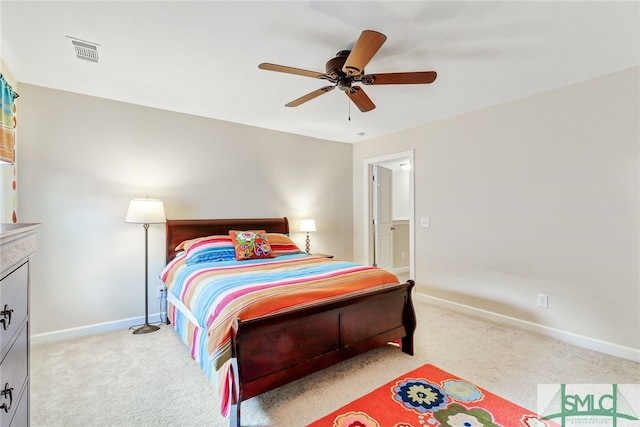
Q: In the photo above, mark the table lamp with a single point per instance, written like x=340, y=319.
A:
x=308, y=225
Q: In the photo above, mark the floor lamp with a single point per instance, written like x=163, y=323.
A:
x=145, y=211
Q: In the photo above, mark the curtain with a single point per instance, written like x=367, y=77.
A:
x=8, y=123
x=8, y=178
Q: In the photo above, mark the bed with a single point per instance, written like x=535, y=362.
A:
x=264, y=345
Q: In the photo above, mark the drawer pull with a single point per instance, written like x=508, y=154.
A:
x=6, y=317
x=4, y=393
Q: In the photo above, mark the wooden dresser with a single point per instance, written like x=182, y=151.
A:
x=17, y=244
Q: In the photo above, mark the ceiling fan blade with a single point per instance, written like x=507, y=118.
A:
x=310, y=96
x=290, y=70
x=362, y=52
x=360, y=98
x=418, y=77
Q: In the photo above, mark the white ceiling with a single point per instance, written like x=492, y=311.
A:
x=201, y=57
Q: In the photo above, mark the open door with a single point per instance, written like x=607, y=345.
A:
x=382, y=217
x=372, y=242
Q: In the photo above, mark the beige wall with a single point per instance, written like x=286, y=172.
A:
x=83, y=158
x=539, y=195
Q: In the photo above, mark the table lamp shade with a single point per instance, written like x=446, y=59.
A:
x=307, y=225
x=145, y=211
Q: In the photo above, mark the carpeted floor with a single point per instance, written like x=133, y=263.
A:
x=121, y=379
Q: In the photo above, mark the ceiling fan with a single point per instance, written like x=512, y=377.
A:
x=348, y=67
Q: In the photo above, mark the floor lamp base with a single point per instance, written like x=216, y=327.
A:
x=146, y=329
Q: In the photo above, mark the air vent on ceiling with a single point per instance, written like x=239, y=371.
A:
x=85, y=50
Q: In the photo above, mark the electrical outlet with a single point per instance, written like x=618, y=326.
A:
x=543, y=301
x=160, y=291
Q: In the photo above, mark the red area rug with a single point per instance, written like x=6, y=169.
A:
x=427, y=397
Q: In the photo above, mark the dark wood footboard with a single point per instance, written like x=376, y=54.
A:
x=271, y=351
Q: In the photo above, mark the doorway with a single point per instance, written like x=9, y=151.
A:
x=402, y=216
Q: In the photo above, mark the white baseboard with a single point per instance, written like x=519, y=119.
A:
x=400, y=270
x=564, y=336
x=81, y=331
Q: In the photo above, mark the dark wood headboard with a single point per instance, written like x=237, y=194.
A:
x=179, y=230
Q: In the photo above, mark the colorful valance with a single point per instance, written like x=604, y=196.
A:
x=7, y=123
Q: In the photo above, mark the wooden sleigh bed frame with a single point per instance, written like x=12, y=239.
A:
x=271, y=351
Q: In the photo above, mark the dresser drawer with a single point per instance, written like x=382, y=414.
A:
x=13, y=302
x=21, y=415
x=13, y=375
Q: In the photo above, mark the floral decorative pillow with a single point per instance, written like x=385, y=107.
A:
x=251, y=244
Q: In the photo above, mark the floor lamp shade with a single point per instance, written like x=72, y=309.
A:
x=145, y=211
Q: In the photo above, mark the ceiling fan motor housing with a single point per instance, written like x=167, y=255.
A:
x=334, y=70
x=334, y=65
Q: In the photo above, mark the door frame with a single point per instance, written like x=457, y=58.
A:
x=368, y=201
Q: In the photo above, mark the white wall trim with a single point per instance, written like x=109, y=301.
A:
x=558, y=334
x=401, y=270
x=564, y=336
x=98, y=328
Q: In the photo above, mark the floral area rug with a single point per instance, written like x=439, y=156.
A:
x=429, y=396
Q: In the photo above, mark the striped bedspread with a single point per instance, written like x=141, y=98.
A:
x=211, y=295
